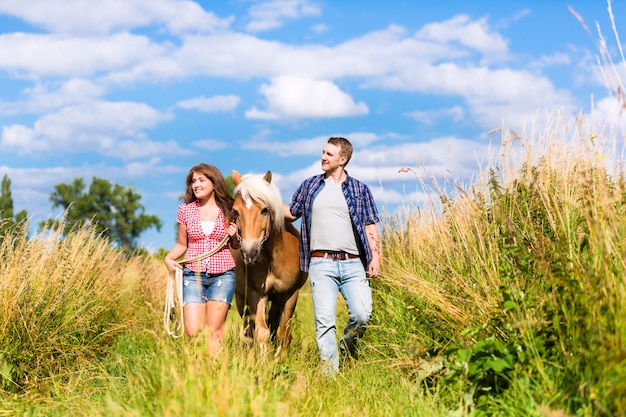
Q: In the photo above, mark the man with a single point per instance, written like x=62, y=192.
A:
x=339, y=249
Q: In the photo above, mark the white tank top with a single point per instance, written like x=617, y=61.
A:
x=207, y=227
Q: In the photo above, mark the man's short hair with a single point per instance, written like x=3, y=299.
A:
x=344, y=145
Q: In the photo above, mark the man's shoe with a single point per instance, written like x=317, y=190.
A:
x=348, y=349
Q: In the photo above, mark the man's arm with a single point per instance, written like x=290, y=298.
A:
x=371, y=231
x=287, y=213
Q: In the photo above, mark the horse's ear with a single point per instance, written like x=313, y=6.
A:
x=236, y=177
x=268, y=177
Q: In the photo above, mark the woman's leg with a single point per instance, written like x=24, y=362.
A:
x=194, y=304
x=194, y=314
x=216, y=313
x=219, y=296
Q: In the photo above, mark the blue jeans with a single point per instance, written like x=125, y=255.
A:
x=200, y=287
x=328, y=278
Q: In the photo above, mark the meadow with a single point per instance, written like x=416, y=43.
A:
x=503, y=297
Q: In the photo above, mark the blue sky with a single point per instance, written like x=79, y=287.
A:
x=138, y=91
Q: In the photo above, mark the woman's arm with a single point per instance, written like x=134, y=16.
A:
x=178, y=250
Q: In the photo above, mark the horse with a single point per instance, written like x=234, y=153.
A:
x=267, y=270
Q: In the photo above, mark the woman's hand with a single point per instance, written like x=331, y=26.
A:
x=171, y=264
x=232, y=230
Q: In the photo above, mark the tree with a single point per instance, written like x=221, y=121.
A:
x=7, y=220
x=230, y=184
x=114, y=210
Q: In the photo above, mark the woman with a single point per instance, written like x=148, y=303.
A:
x=204, y=219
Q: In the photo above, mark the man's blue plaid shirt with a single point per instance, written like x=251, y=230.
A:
x=361, y=205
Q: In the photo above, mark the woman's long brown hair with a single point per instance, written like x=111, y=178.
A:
x=222, y=198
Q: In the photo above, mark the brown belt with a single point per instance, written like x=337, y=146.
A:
x=334, y=255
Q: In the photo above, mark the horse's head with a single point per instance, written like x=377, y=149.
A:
x=258, y=210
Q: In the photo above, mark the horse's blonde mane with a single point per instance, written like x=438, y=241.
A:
x=253, y=187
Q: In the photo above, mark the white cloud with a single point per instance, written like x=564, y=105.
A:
x=293, y=148
x=211, y=104
x=140, y=169
x=455, y=113
x=391, y=164
x=433, y=62
x=35, y=178
x=556, y=59
x=473, y=34
x=311, y=146
x=241, y=57
x=511, y=96
x=44, y=97
x=140, y=148
x=95, y=126
x=119, y=118
x=272, y=14
x=237, y=56
x=319, y=28
x=507, y=21
x=105, y=17
x=293, y=97
x=445, y=156
x=40, y=55
x=492, y=95
x=304, y=79
x=609, y=112
x=18, y=137
x=159, y=69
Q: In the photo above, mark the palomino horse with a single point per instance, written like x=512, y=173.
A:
x=268, y=261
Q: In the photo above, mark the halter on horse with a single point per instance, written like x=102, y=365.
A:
x=268, y=261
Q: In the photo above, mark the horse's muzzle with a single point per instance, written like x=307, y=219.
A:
x=250, y=253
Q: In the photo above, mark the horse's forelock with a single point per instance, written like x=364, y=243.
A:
x=254, y=188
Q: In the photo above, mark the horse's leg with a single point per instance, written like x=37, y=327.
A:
x=273, y=319
x=289, y=277
x=284, y=330
x=247, y=331
x=261, y=331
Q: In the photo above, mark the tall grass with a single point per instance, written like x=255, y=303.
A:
x=519, y=281
x=63, y=303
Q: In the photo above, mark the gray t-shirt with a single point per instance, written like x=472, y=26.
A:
x=331, y=227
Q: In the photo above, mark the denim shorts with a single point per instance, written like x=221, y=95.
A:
x=200, y=287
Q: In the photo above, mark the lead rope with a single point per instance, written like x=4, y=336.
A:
x=174, y=294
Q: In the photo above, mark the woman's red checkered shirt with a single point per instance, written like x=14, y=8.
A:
x=199, y=243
